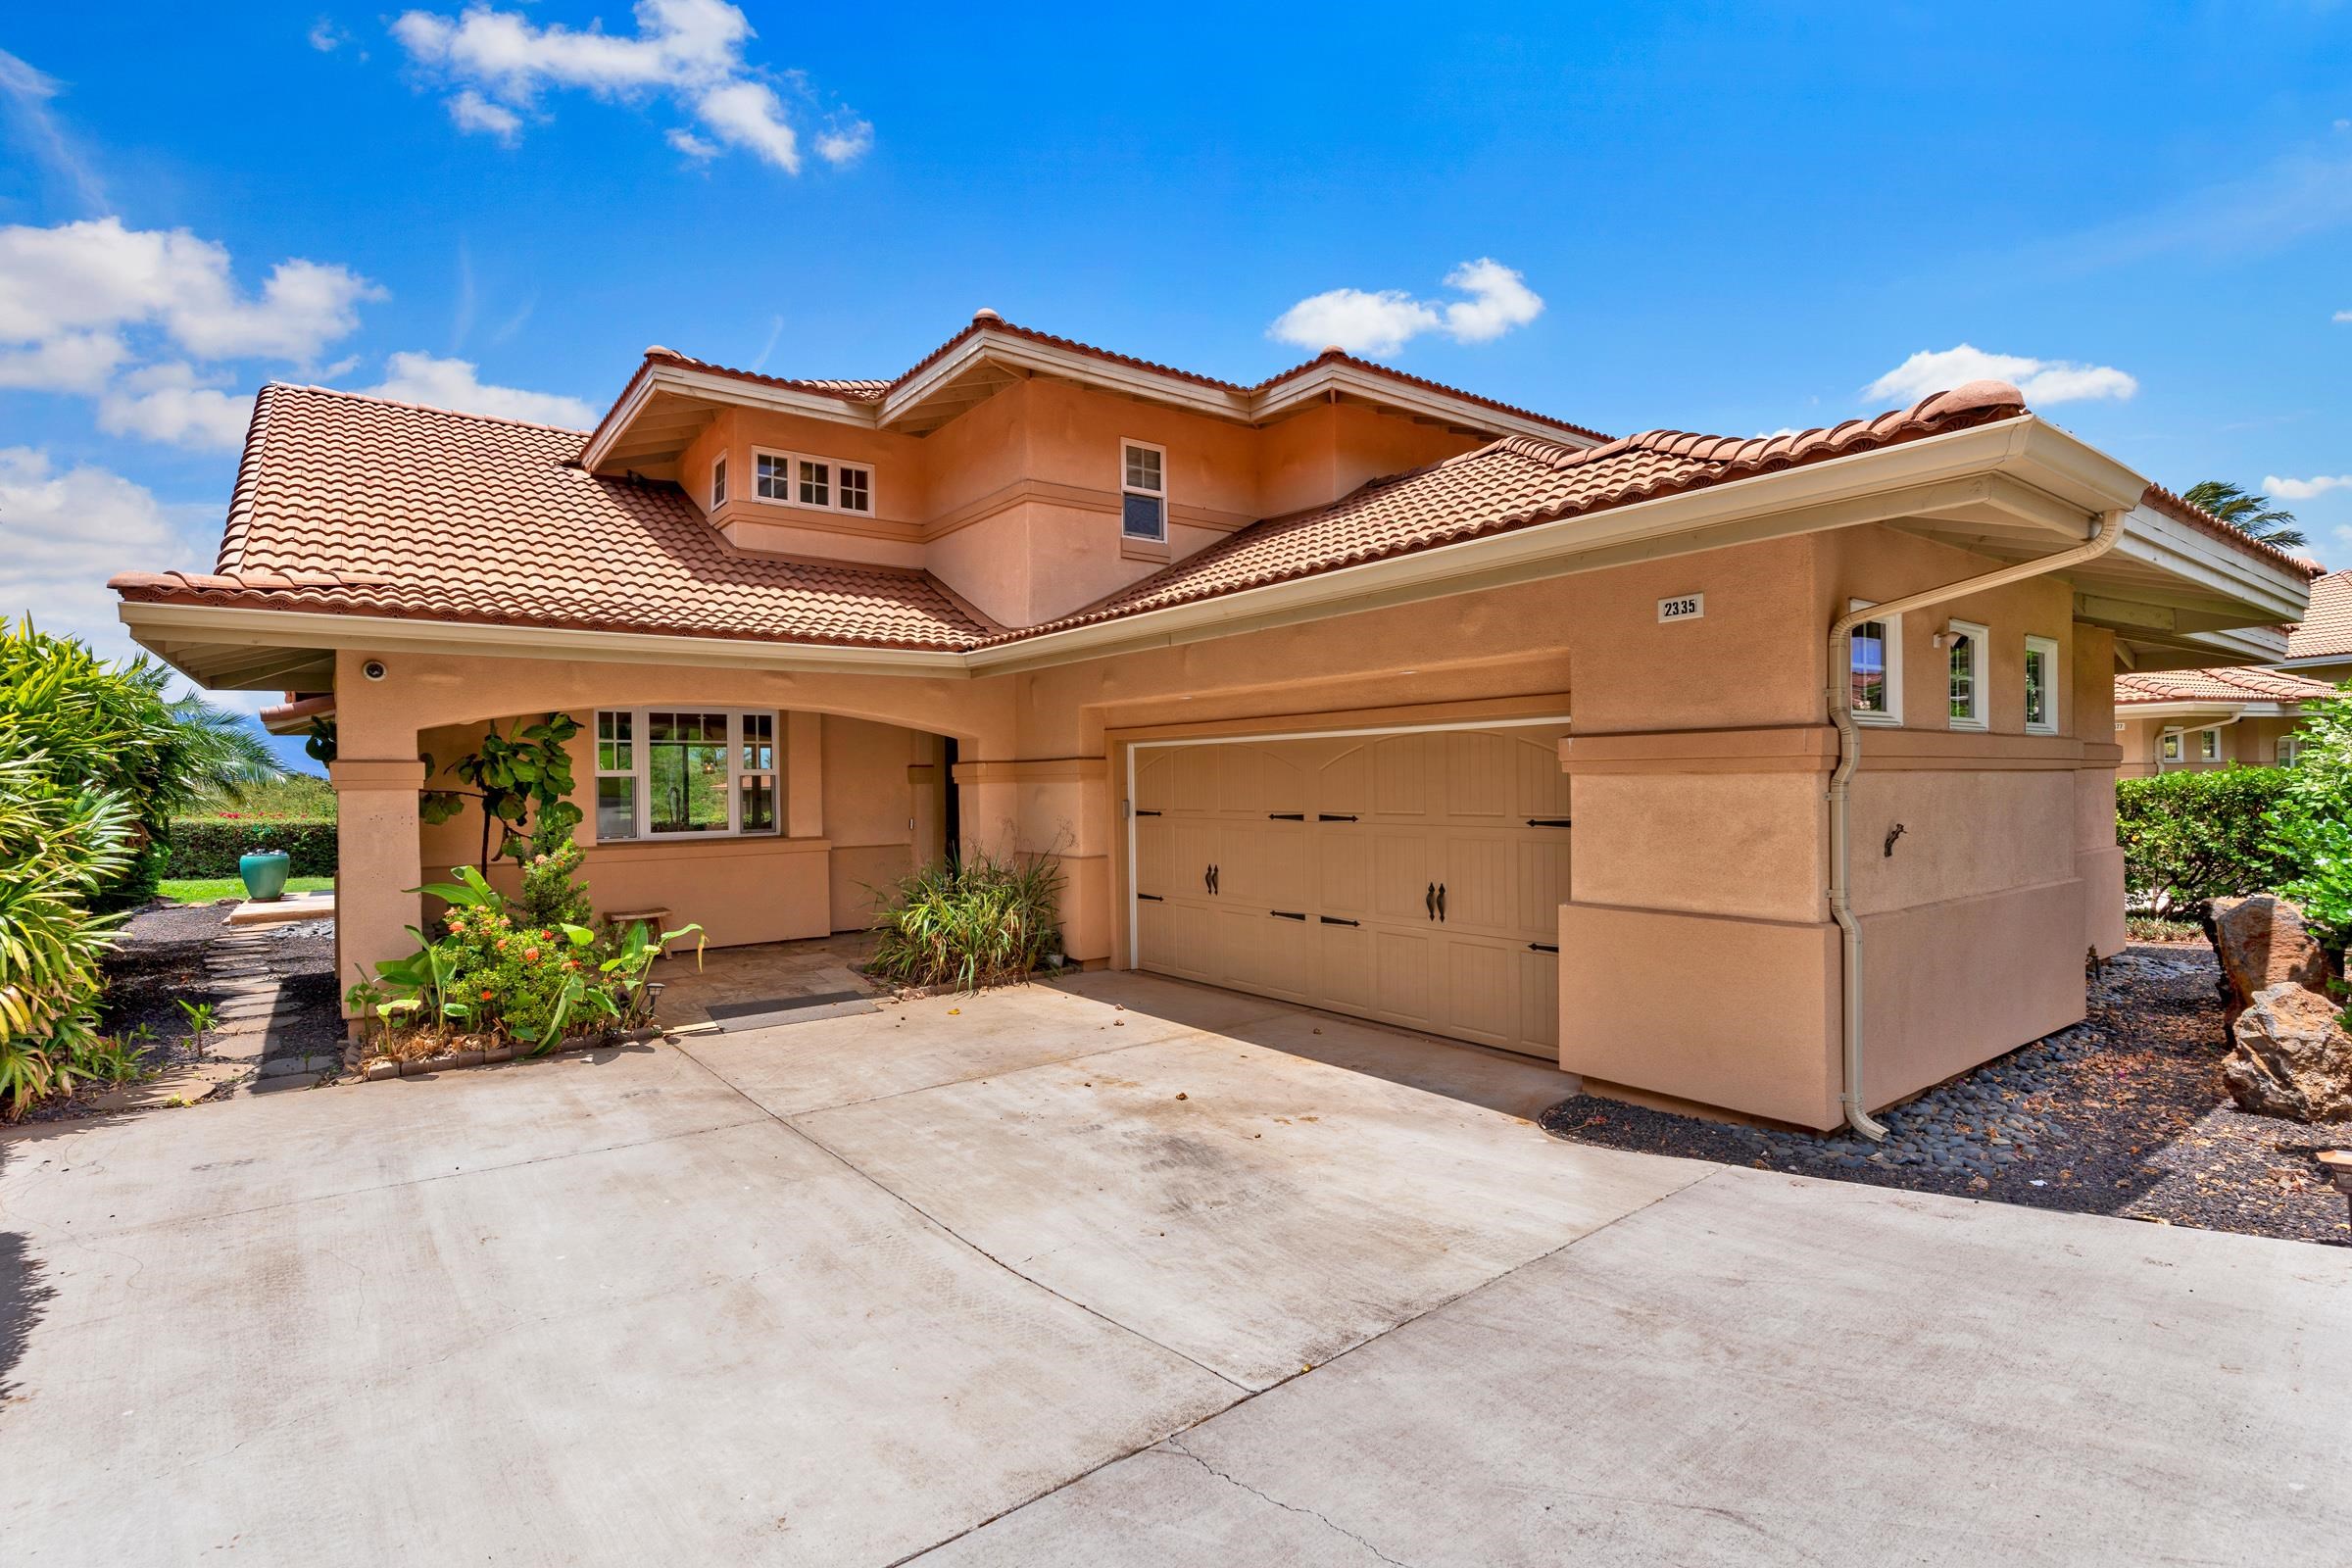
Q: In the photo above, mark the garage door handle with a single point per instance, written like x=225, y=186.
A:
x=1441, y=901
x=1286, y=816
x=1541, y=947
x=1329, y=919
x=1333, y=816
x=1147, y=814
x=1428, y=901
x=1212, y=881
x=1285, y=914
x=1548, y=822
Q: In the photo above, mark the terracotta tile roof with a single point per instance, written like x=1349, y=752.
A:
x=357, y=505
x=2217, y=686
x=1518, y=482
x=2328, y=629
x=2159, y=499
x=873, y=391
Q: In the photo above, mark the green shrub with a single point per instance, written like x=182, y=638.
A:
x=2191, y=836
x=295, y=798
x=2313, y=823
x=972, y=922
x=211, y=846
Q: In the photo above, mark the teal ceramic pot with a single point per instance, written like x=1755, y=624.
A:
x=265, y=874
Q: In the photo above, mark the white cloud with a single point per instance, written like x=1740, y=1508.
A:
x=844, y=140
x=97, y=275
x=71, y=362
x=474, y=111
x=2285, y=489
x=415, y=378
x=24, y=93
x=171, y=403
x=63, y=533
x=2042, y=381
x=497, y=63
x=1380, y=324
x=325, y=36
x=2342, y=318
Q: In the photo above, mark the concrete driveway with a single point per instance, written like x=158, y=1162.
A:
x=1122, y=1272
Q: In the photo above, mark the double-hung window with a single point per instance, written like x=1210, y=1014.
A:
x=1875, y=673
x=827, y=484
x=718, y=481
x=2209, y=746
x=672, y=773
x=2170, y=751
x=1142, y=490
x=1964, y=645
x=2289, y=750
x=2041, y=686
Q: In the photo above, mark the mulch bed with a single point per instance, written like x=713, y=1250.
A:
x=2122, y=1114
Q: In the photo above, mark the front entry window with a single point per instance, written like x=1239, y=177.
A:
x=668, y=772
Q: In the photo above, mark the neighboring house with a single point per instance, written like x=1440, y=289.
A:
x=2168, y=721
x=2321, y=648
x=1303, y=683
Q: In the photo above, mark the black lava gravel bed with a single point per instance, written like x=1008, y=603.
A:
x=2121, y=1114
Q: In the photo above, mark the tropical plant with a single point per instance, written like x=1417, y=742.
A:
x=2194, y=835
x=2312, y=824
x=523, y=779
x=2249, y=514
x=109, y=729
x=551, y=892
x=58, y=847
x=970, y=922
x=200, y=1017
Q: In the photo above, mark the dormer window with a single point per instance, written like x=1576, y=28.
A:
x=718, y=482
x=825, y=483
x=1144, y=491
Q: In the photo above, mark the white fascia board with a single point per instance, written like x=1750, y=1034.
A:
x=2213, y=709
x=291, y=628
x=1007, y=348
x=1315, y=385
x=2280, y=592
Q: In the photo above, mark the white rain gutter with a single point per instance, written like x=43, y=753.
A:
x=2217, y=726
x=1849, y=758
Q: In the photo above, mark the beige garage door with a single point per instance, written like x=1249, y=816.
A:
x=1414, y=878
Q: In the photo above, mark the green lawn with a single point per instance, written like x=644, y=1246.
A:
x=205, y=888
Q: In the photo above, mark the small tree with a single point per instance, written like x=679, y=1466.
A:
x=2312, y=824
x=2191, y=836
x=519, y=779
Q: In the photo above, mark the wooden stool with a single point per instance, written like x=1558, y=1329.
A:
x=653, y=920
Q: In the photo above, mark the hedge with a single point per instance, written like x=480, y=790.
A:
x=2196, y=835
x=210, y=846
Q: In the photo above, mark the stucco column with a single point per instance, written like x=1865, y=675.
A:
x=2099, y=859
x=805, y=775
x=1057, y=807
x=378, y=862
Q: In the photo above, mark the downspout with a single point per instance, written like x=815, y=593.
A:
x=1849, y=758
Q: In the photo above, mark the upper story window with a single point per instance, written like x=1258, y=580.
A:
x=1964, y=644
x=1877, y=673
x=2041, y=690
x=1142, y=490
x=668, y=773
x=718, y=481
x=826, y=483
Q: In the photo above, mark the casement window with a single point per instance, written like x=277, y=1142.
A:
x=1877, y=673
x=2209, y=746
x=2291, y=750
x=1142, y=490
x=671, y=773
x=2041, y=686
x=718, y=481
x=827, y=484
x=2171, y=751
x=1964, y=649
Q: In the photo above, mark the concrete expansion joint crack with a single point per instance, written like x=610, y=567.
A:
x=1176, y=1446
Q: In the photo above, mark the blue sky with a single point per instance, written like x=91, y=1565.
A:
x=1716, y=218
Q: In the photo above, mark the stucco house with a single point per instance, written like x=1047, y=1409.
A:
x=2176, y=719
x=2167, y=720
x=1773, y=775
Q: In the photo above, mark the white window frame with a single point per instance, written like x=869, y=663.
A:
x=2169, y=747
x=1159, y=495
x=1893, y=650
x=1979, y=682
x=2208, y=745
x=641, y=769
x=834, y=469
x=718, y=481
x=2047, y=647
x=2288, y=748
